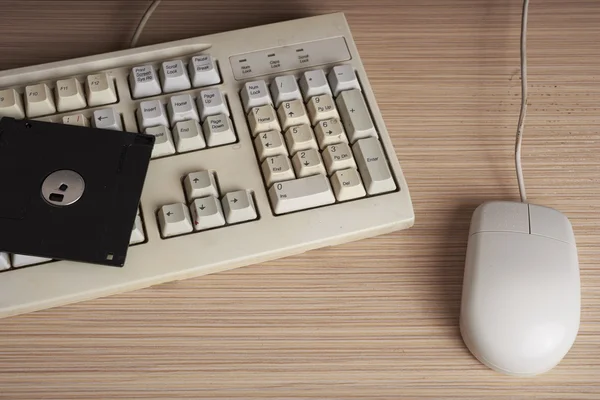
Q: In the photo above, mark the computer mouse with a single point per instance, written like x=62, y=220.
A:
x=520, y=306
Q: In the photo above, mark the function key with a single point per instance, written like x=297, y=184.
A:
x=144, y=82
x=342, y=77
x=292, y=113
x=11, y=104
x=100, y=90
x=151, y=113
x=355, y=115
x=182, y=108
x=174, y=77
x=203, y=71
x=314, y=83
x=255, y=94
x=39, y=100
x=69, y=95
x=107, y=118
x=285, y=88
x=211, y=102
x=174, y=219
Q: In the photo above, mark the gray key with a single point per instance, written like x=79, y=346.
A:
x=355, y=115
x=218, y=130
x=107, y=118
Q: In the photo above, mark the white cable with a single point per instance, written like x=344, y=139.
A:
x=523, y=113
x=144, y=20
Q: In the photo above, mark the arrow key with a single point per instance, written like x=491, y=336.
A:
x=238, y=207
x=207, y=213
x=174, y=219
x=107, y=118
x=200, y=184
x=308, y=162
x=292, y=113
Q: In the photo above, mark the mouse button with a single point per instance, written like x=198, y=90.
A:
x=551, y=223
x=500, y=216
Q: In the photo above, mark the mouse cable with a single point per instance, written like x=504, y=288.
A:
x=523, y=112
x=143, y=21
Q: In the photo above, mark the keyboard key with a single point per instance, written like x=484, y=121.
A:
x=285, y=88
x=38, y=100
x=137, y=233
x=373, y=166
x=308, y=162
x=203, y=71
x=276, y=169
x=151, y=113
x=188, y=136
x=207, y=213
x=292, y=113
x=100, y=90
x=347, y=185
x=218, y=130
x=314, y=83
x=144, y=82
x=300, y=194
x=4, y=261
x=338, y=156
x=163, y=144
x=342, y=77
x=238, y=207
x=11, y=104
x=268, y=144
x=22, y=260
x=174, y=219
x=107, y=118
x=255, y=94
x=300, y=137
x=174, y=77
x=355, y=115
x=200, y=184
x=211, y=102
x=321, y=107
x=329, y=132
x=263, y=119
x=69, y=95
x=75, y=119
x=182, y=108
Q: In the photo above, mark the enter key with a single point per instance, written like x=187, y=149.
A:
x=373, y=166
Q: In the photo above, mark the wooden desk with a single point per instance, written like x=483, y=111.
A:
x=373, y=319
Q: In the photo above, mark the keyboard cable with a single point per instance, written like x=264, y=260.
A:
x=523, y=112
x=143, y=21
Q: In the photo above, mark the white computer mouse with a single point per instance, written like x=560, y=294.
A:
x=520, y=306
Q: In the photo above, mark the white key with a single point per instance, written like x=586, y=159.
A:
x=38, y=100
x=347, y=185
x=188, y=136
x=300, y=194
x=182, y=108
x=100, y=90
x=200, y=184
x=163, y=144
x=342, y=77
x=69, y=95
x=373, y=166
x=107, y=118
x=151, y=113
x=268, y=144
x=174, y=219
x=137, y=233
x=255, y=94
x=308, y=162
x=314, y=83
x=203, y=71
x=22, y=260
x=4, y=261
x=285, y=88
x=355, y=115
x=330, y=131
x=300, y=137
x=143, y=82
x=174, y=77
x=75, y=119
x=321, y=107
x=207, y=213
x=238, y=207
x=276, y=169
x=338, y=156
x=263, y=119
x=218, y=130
x=11, y=104
x=211, y=102
x=292, y=113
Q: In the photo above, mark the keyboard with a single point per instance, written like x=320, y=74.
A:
x=269, y=143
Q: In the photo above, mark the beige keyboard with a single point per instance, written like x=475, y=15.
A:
x=269, y=143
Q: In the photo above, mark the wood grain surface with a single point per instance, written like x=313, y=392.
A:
x=375, y=319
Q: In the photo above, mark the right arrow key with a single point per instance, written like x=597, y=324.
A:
x=238, y=206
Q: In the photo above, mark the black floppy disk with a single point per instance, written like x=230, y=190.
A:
x=70, y=192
